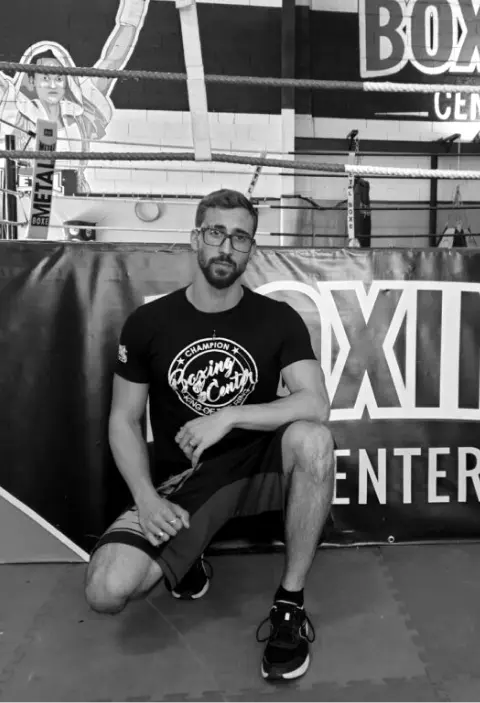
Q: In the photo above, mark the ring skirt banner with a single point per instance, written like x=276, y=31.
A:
x=397, y=333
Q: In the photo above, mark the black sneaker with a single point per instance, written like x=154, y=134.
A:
x=287, y=654
x=195, y=583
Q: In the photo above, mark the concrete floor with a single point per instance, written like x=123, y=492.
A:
x=399, y=623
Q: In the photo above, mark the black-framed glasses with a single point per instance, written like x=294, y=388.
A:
x=215, y=238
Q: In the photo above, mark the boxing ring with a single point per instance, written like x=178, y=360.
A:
x=290, y=165
x=397, y=333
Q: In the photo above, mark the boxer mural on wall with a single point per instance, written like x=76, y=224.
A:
x=81, y=106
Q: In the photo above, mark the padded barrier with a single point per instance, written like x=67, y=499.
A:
x=397, y=333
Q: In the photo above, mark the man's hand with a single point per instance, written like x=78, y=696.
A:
x=198, y=435
x=161, y=519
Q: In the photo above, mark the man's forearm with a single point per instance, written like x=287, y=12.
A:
x=130, y=452
x=268, y=416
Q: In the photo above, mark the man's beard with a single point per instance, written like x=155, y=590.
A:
x=219, y=277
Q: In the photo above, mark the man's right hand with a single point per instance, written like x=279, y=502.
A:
x=161, y=519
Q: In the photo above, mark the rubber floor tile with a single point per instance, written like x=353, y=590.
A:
x=163, y=649
x=23, y=591
x=439, y=587
x=357, y=620
x=416, y=689
x=465, y=688
x=73, y=654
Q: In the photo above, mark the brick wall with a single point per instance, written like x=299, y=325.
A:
x=171, y=131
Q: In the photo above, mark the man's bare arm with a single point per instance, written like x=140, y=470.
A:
x=126, y=439
x=308, y=400
x=159, y=518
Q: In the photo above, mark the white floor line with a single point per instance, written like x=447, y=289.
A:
x=43, y=523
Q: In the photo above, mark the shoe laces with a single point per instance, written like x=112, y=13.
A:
x=286, y=622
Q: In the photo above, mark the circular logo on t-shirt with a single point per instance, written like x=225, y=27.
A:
x=212, y=373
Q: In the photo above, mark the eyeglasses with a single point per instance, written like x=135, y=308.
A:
x=215, y=238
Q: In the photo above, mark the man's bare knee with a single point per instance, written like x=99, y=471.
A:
x=311, y=445
x=105, y=593
x=117, y=574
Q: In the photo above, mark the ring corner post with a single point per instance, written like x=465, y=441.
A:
x=433, y=223
x=11, y=188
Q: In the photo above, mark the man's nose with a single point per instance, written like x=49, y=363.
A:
x=226, y=247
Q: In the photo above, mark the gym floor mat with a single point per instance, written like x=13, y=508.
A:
x=393, y=624
x=439, y=588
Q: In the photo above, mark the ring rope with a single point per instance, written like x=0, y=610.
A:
x=155, y=230
x=28, y=132
x=393, y=172
x=14, y=223
x=200, y=169
x=305, y=235
x=365, y=86
x=114, y=228
x=406, y=208
x=347, y=169
x=389, y=87
x=16, y=193
x=165, y=156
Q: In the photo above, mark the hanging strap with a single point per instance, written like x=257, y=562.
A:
x=353, y=158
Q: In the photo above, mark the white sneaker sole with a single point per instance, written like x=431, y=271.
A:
x=200, y=594
x=288, y=675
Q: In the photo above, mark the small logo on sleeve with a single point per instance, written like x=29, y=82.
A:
x=122, y=354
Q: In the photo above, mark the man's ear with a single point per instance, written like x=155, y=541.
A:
x=253, y=251
x=194, y=235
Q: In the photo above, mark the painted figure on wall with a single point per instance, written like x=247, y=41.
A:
x=81, y=106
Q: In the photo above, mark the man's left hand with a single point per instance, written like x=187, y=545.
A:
x=198, y=435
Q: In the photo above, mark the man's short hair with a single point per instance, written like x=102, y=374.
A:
x=228, y=200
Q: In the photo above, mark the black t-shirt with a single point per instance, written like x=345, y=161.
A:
x=197, y=363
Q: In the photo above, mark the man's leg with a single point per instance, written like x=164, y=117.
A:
x=308, y=464
x=125, y=565
x=118, y=573
x=308, y=468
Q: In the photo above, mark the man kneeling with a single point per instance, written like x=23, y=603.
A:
x=209, y=358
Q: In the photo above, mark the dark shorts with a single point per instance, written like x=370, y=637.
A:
x=244, y=482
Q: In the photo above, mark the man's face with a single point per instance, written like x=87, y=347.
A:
x=223, y=265
x=50, y=88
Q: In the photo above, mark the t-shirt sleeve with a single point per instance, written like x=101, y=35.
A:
x=132, y=355
x=297, y=343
